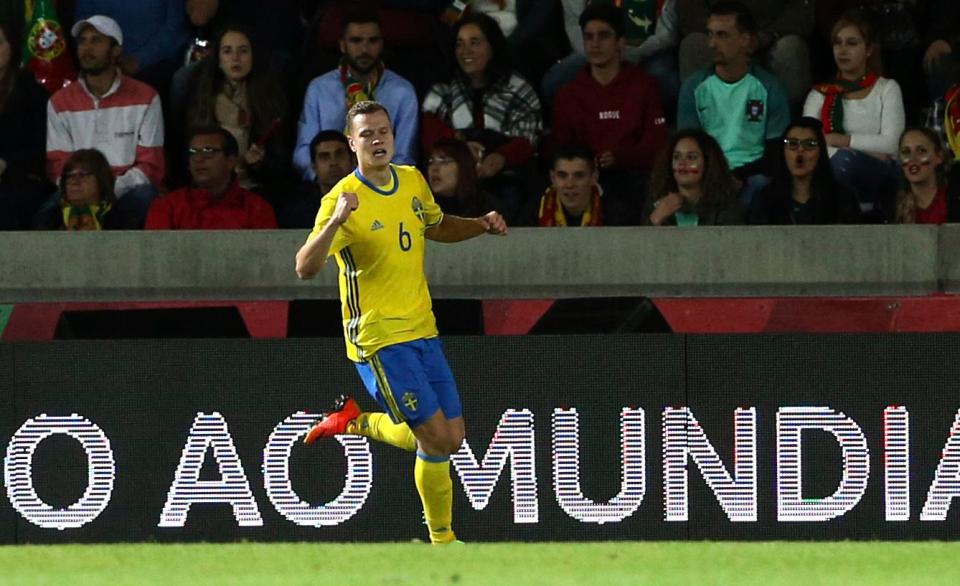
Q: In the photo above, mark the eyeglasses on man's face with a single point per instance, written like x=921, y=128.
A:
x=203, y=152
x=807, y=144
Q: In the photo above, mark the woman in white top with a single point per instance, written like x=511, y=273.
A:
x=862, y=116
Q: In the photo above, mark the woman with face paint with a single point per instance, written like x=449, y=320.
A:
x=803, y=189
x=691, y=185
x=926, y=196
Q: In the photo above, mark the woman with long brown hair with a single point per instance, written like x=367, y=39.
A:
x=691, y=184
x=802, y=188
x=234, y=90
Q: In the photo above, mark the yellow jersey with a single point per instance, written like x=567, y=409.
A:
x=380, y=251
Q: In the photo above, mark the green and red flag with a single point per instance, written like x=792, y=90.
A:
x=45, y=51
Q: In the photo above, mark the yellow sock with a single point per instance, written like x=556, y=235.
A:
x=432, y=475
x=378, y=426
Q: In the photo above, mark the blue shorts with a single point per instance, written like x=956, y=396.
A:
x=411, y=380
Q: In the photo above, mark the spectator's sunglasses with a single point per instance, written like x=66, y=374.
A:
x=807, y=144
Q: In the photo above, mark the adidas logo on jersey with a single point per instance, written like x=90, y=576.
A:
x=376, y=226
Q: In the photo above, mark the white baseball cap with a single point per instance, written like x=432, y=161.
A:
x=104, y=25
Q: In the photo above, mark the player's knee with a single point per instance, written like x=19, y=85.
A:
x=453, y=444
x=443, y=446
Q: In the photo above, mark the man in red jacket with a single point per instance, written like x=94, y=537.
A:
x=612, y=107
x=215, y=201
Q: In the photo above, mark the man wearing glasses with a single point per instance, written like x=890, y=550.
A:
x=215, y=200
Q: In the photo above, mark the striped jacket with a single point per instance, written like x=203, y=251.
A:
x=510, y=107
x=126, y=125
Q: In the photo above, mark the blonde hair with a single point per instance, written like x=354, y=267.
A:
x=906, y=209
x=867, y=28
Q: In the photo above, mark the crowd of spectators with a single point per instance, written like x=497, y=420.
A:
x=207, y=114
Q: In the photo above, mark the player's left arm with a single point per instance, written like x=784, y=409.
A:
x=455, y=229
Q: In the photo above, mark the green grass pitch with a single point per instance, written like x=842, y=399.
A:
x=488, y=564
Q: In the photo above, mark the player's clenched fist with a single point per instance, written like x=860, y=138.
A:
x=346, y=203
x=493, y=223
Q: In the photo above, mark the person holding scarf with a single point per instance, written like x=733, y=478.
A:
x=361, y=76
x=574, y=195
x=862, y=115
x=87, y=199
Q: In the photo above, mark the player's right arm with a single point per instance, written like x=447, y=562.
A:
x=312, y=255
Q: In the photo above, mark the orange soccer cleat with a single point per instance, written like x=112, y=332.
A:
x=334, y=422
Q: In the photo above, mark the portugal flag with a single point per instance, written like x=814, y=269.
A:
x=45, y=50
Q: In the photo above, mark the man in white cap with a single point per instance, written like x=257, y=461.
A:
x=107, y=111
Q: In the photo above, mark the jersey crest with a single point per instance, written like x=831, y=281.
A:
x=417, y=207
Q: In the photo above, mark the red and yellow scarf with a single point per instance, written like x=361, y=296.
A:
x=551, y=212
x=831, y=114
x=358, y=91
x=951, y=118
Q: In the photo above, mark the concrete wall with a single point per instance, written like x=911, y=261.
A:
x=529, y=263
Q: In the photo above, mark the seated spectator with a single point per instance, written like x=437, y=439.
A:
x=360, y=76
x=781, y=33
x=941, y=58
x=417, y=41
x=527, y=25
x=488, y=105
x=23, y=122
x=109, y=111
x=926, y=196
x=862, y=116
x=452, y=175
x=332, y=161
x=803, y=189
x=613, y=108
x=215, y=201
x=651, y=45
x=87, y=197
x=574, y=196
x=899, y=34
x=692, y=185
x=156, y=35
x=235, y=90
x=738, y=103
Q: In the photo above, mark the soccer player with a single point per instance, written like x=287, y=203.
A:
x=374, y=222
